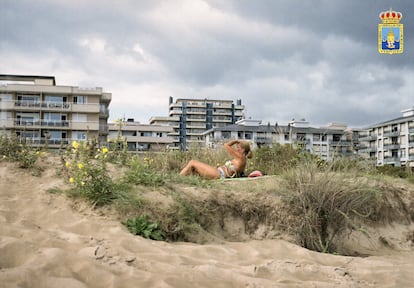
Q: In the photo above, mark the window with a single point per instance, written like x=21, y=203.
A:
x=54, y=117
x=78, y=117
x=301, y=137
x=336, y=137
x=28, y=98
x=79, y=135
x=80, y=99
x=54, y=99
x=28, y=135
x=226, y=134
x=55, y=135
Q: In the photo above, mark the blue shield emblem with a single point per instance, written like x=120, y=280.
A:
x=390, y=33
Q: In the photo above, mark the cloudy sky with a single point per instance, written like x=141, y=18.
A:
x=316, y=60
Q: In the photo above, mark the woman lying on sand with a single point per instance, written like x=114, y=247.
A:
x=230, y=169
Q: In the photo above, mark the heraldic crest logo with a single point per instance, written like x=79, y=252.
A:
x=390, y=33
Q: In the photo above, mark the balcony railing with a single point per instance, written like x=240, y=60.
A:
x=391, y=133
x=392, y=160
x=25, y=123
x=367, y=150
x=43, y=141
x=392, y=146
x=42, y=104
x=90, y=125
x=340, y=143
x=368, y=138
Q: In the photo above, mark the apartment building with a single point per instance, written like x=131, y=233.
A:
x=38, y=111
x=141, y=137
x=390, y=142
x=190, y=118
x=327, y=142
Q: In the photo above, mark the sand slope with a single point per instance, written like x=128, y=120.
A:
x=44, y=242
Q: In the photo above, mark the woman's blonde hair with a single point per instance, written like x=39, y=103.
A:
x=246, y=147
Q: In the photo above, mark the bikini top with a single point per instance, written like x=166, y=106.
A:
x=230, y=166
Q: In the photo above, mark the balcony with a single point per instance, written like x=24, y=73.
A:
x=40, y=123
x=103, y=112
x=368, y=138
x=39, y=105
x=43, y=141
x=391, y=133
x=341, y=143
x=392, y=146
x=47, y=124
x=367, y=150
x=392, y=160
x=302, y=141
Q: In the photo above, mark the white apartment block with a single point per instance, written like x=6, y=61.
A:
x=141, y=137
x=327, y=142
x=190, y=118
x=38, y=111
x=390, y=142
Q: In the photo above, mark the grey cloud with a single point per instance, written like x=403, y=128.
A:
x=305, y=59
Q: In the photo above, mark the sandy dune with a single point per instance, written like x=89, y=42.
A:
x=45, y=242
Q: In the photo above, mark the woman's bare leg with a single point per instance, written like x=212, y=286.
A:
x=200, y=168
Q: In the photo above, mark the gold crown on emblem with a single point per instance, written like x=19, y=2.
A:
x=390, y=16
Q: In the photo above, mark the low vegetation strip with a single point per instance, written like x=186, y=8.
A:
x=302, y=199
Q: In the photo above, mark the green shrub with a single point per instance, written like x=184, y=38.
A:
x=89, y=176
x=22, y=153
x=142, y=172
x=142, y=226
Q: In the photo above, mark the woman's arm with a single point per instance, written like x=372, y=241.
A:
x=229, y=147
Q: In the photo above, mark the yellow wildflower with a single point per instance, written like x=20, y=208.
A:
x=104, y=150
x=37, y=152
x=67, y=164
x=71, y=180
x=75, y=144
x=80, y=166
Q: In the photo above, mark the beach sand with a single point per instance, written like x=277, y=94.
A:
x=47, y=242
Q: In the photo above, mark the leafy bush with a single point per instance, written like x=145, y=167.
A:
x=14, y=151
x=141, y=172
x=142, y=226
x=89, y=176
